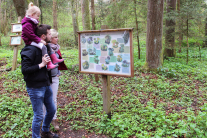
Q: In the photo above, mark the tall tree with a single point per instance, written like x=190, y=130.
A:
x=180, y=25
x=74, y=18
x=55, y=15
x=0, y=23
x=114, y=12
x=93, y=15
x=5, y=24
x=205, y=45
x=85, y=14
x=20, y=6
x=137, y=28
x=170, y=30
x=93, y=28
x=3, y=18
x=154, y=56
x=41, y=16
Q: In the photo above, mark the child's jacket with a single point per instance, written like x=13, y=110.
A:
x=28, y=31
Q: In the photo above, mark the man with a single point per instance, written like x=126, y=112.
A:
x=38, y=80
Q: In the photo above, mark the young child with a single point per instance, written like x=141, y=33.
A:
x=29, y=24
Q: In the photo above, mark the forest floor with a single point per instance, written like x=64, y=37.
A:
x=170, y=102
x=65, y=129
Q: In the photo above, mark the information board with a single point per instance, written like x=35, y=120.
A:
x=106, y=52
x=16, y=28
x=15, y=40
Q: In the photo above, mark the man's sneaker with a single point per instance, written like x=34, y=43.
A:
x=55, y=124
x=48, y=135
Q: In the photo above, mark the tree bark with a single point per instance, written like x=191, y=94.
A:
x=74, y=18
x=55, y=26
x=20, y=6
x=114, y=25
x=154, y=55
x=93, y=28
x=137, y=28
x=170, y=31
x=187, y=39
x=5, y=23
x=180, y=26
x=93, y=15
x=41, y=16
x=205, y=45
x=85, y=14
x=36, y=2
x=0, y=22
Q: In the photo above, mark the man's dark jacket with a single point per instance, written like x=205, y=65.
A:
x=33, y=76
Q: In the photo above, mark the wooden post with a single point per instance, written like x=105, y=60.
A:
x=106, y=95
x=106, y=89
x=14, y=63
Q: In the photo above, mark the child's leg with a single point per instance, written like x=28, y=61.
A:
x=50, y=51
x=49, y=64
x=39, y=45
x=44, y=50
x=53, y=56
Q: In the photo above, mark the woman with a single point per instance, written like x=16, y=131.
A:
x=55, y=73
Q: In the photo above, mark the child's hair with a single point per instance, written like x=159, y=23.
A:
x=54, y=33
x=32, y=9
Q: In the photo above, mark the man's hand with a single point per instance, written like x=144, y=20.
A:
x=45, y=60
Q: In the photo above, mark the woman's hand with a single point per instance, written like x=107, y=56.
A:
x=45, y=60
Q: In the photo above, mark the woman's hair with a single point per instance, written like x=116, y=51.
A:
x=54, y=33
x=32, y=9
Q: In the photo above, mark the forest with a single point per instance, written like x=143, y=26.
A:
x=166, y=97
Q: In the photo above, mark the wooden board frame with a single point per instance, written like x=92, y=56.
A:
x=108, y=31
x=15, y=44
x=14, y=28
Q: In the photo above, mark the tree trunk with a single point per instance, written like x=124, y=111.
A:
x=5, y=31
x=114, y=15
x=137, y=28
x=0, y=23
x=93, y=15
x=170, y=31
x=36, y=2
x=180, y=26
x=187, y=39
x=41, y=16
x=3, y=19
x=20, y=6
x=85, y=14
x=74, y=18
x=205, y=45
x=55, y=15
x=154, y=55
x=93, y=28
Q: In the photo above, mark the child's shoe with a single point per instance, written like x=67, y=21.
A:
x=51, y=66
x=55, y=60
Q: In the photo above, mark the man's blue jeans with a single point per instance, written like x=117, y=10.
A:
x=38, y=97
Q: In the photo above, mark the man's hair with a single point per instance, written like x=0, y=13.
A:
x=42, y=29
